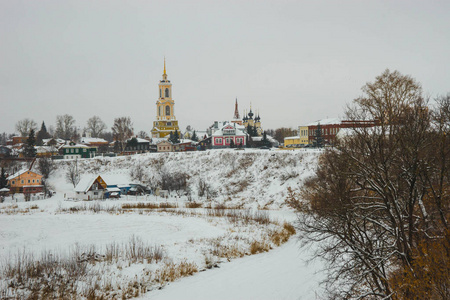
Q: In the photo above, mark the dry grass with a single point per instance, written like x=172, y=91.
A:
x=289, y=228
x=140, y=205
x=193, y=205
x=259, y=246
x=171, y=271
x=95, y=207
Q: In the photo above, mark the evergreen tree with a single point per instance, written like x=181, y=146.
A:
x=249, y=129
x=176, y=137
x=30, y=151
x=319, y=138
x=3, y=181
x=265, y=141
x=232, y=145
x=42, y=134
x=132, y=143
x=171, y=138
x=194, y=137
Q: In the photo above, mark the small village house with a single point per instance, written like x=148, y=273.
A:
x=90, y=188
x=165, y=146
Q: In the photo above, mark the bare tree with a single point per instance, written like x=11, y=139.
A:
x=138, y=173
x=95, y=126
x=122, y=130
x=72, y=173
x=24, y=126
x=142, y=134
x=45, y=166
x=65, y=127
x=380, y=194
x=280, y=133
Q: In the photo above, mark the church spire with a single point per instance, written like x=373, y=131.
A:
x=164, y=65
x=236, y=111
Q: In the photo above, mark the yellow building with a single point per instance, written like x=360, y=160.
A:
x=297, y=141
x=25, y=182
x=292, y=142
x=165, y=115
x=303, y=135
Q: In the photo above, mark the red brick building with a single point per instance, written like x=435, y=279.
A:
x=330, y=127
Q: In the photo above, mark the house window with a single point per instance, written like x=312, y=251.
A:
x=76, y=150
x=33, y=180
x=218, y=141
x=160, y=93
x=167, y=110
x=29, y=180
x=167, y=92
x=13, y=182
x=37, y=180
x=228, y=141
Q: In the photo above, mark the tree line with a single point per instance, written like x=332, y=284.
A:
x=65, y=128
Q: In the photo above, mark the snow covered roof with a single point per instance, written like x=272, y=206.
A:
x=292, y=138
x=44, y=149
x=219, y=132
x=330, y=121
x=185, y=141
x=115, y=179
x=59, y=141
x=139, y=140
x=4, y=190
x=156, y=141
x=85, y=183
x=89, y=140
x=75, y=146
x=17, y=174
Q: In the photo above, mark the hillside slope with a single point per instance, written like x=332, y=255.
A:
x=250, y=178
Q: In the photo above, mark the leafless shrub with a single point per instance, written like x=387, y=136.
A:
x=137, y=251
x=262, y=217
x=288, y=175
x=174, y=181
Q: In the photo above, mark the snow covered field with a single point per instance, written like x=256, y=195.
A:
x=190, y=240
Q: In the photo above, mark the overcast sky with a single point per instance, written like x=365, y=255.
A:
x=294, y=61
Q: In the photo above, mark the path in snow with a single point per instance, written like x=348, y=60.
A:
x=279, y=274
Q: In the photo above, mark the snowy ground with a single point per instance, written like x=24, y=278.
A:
x=281, y=273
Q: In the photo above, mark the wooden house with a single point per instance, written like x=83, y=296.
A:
x=25, y=181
